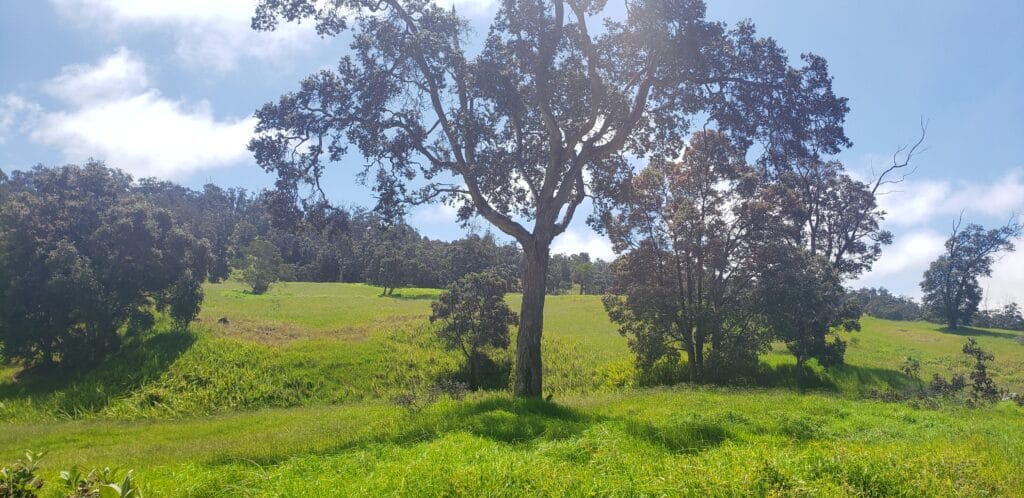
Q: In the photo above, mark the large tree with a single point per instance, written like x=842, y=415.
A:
x=699, y=233
x=83, y=256
x=542, y=112
x=950, y=284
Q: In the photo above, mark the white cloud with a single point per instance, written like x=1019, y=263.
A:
x=211, y=33
x=902, y=264
x=435, y=214
x=575, y=241
x=207, y=33
x=117, y=117
x=1007, y=281
x=915, y=202
x=117, y=77
x=911, y=251
x=15, y=114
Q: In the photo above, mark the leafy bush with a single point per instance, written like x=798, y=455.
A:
x=104, y=483
x=475, y=318
x=262, y=265
x=20, y=480
x=983, y=388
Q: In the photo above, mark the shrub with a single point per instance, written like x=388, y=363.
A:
x=983, y=388
x=99, y=484
x=911, y=367
x=20, y=479
x=263, y=265
x=475, y=318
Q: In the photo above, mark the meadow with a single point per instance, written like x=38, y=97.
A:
x=293, y=397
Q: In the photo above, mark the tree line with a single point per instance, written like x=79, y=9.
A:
x=87, y=253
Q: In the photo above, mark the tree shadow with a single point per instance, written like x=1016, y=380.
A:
x=976, y=332
x=142, y=358
x=792, y=376
x=518, y=421
x=411, y=295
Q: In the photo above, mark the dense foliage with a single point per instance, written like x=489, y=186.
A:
x=83, y=255
x=719, y=259
x=881, y=303
x=1008, y=317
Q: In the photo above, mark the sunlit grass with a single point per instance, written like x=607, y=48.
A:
x=292, y=397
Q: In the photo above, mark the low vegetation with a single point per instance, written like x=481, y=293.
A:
x=296, y=396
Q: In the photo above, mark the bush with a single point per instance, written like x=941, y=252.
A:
x=20, y=480
x=475, y=318
x=262, y=265
x=99, y=484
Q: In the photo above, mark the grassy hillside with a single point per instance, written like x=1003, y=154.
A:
x=291, y=397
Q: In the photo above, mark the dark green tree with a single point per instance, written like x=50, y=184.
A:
x=983, y=388
x=83, y=255
x=542, y=112
x=950, y=285
x=695, y=237
x=582, y=272
x=474, y=318
x=805, y=305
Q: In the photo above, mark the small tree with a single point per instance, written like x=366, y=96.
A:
x=805, y=304
x=983, y=388
x=583, y=272
x=694, y=236
x=263, y=265
x=474, y=318
x=950, y=284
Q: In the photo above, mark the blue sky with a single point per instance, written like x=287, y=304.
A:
x=167, y=88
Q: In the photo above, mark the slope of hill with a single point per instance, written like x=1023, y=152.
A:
x=292, y=397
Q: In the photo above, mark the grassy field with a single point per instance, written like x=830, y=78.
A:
x=292, y=398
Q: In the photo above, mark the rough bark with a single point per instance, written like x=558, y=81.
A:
x=529, y=369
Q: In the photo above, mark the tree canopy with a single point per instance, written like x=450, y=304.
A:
x=82, y=256
x=545, y=113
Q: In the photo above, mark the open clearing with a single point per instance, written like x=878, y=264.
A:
x=292, y=397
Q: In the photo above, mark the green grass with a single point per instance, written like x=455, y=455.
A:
x=664, y=441
x=292, y=398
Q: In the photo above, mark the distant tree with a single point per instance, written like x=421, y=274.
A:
x=603, y=277
x=81, y=257
x=880, y=303
x=262, y=265
x=582, y=272
x=698, y=234
x=542, y=112
x=805, y=305
x=474, y=317
x=950, y=284
x=1008, y=317
x=394, y=260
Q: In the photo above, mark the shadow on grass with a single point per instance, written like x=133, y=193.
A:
x=519, y=421
x=410, y=295
x=976, y=332
x=845, y=378
x=140, y=360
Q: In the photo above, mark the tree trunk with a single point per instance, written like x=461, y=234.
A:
x=531, y=324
